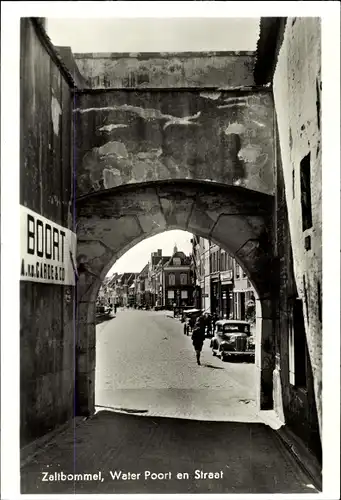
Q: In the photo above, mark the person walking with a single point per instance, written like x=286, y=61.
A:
x=198, y=337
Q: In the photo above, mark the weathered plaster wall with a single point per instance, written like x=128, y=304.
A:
x=111, y=222
x=46, y=311
x=297, y=88
x=167, y=70
x=125, y=137
x=296, y=405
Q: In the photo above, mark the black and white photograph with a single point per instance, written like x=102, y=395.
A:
x=175, y=329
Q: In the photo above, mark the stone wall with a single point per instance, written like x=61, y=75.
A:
x=167, y=70
x=297, y=94
x=126, y=137
x=46, y=311
x=113, y=221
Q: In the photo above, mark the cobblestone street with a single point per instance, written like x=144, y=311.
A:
x=146, y=363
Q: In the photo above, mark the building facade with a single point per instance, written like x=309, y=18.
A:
x=123, y=289
x=243, y=292
x=225, y=289
x=177, y=281
x=164, y=281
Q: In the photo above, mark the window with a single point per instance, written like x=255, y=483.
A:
x=318, y=102
x=171, y=279
x=183, y=279
x=171, y=294
x=307, y=221
x=184, y=294
x=222, y=261
x=237, y=271
x=297, y=345
x=177, y=261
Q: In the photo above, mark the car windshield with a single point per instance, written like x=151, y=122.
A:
x=236, y=328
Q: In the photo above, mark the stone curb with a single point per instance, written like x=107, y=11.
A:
x=28, y=452
x=302, y=455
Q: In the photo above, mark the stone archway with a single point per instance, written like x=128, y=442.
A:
x=113, y=221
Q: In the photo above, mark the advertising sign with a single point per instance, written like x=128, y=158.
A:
x=226, y=277
x=47, y=250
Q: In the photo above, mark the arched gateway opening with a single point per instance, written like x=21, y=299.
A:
x=111, y=222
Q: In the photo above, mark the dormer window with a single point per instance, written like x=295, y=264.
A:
x=176, y=261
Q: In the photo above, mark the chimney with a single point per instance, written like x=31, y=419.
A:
x=159, y=253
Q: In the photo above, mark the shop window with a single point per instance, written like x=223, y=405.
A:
x=297, y=345
x=183, y=279
x=171, y=279
x=307, y=220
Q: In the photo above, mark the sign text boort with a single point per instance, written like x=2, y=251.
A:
x=47, y=250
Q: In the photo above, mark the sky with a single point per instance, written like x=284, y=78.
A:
x=154, y=34
x=137, y=257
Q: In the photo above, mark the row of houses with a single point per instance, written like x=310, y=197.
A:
x=164, y=282
x=208, y=279
x=221, y=285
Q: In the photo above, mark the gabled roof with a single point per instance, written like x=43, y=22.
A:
x=144, y=271
x=185, y=261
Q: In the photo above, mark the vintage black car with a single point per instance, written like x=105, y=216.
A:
x=232, y=338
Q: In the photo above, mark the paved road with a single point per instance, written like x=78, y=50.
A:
x=145, y=363
x=241, y=457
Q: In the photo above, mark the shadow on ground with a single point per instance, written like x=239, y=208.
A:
x=241, y=457
x=103, y=318
x=207, y=365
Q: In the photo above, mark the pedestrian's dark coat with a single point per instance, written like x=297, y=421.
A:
x=198, y=337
